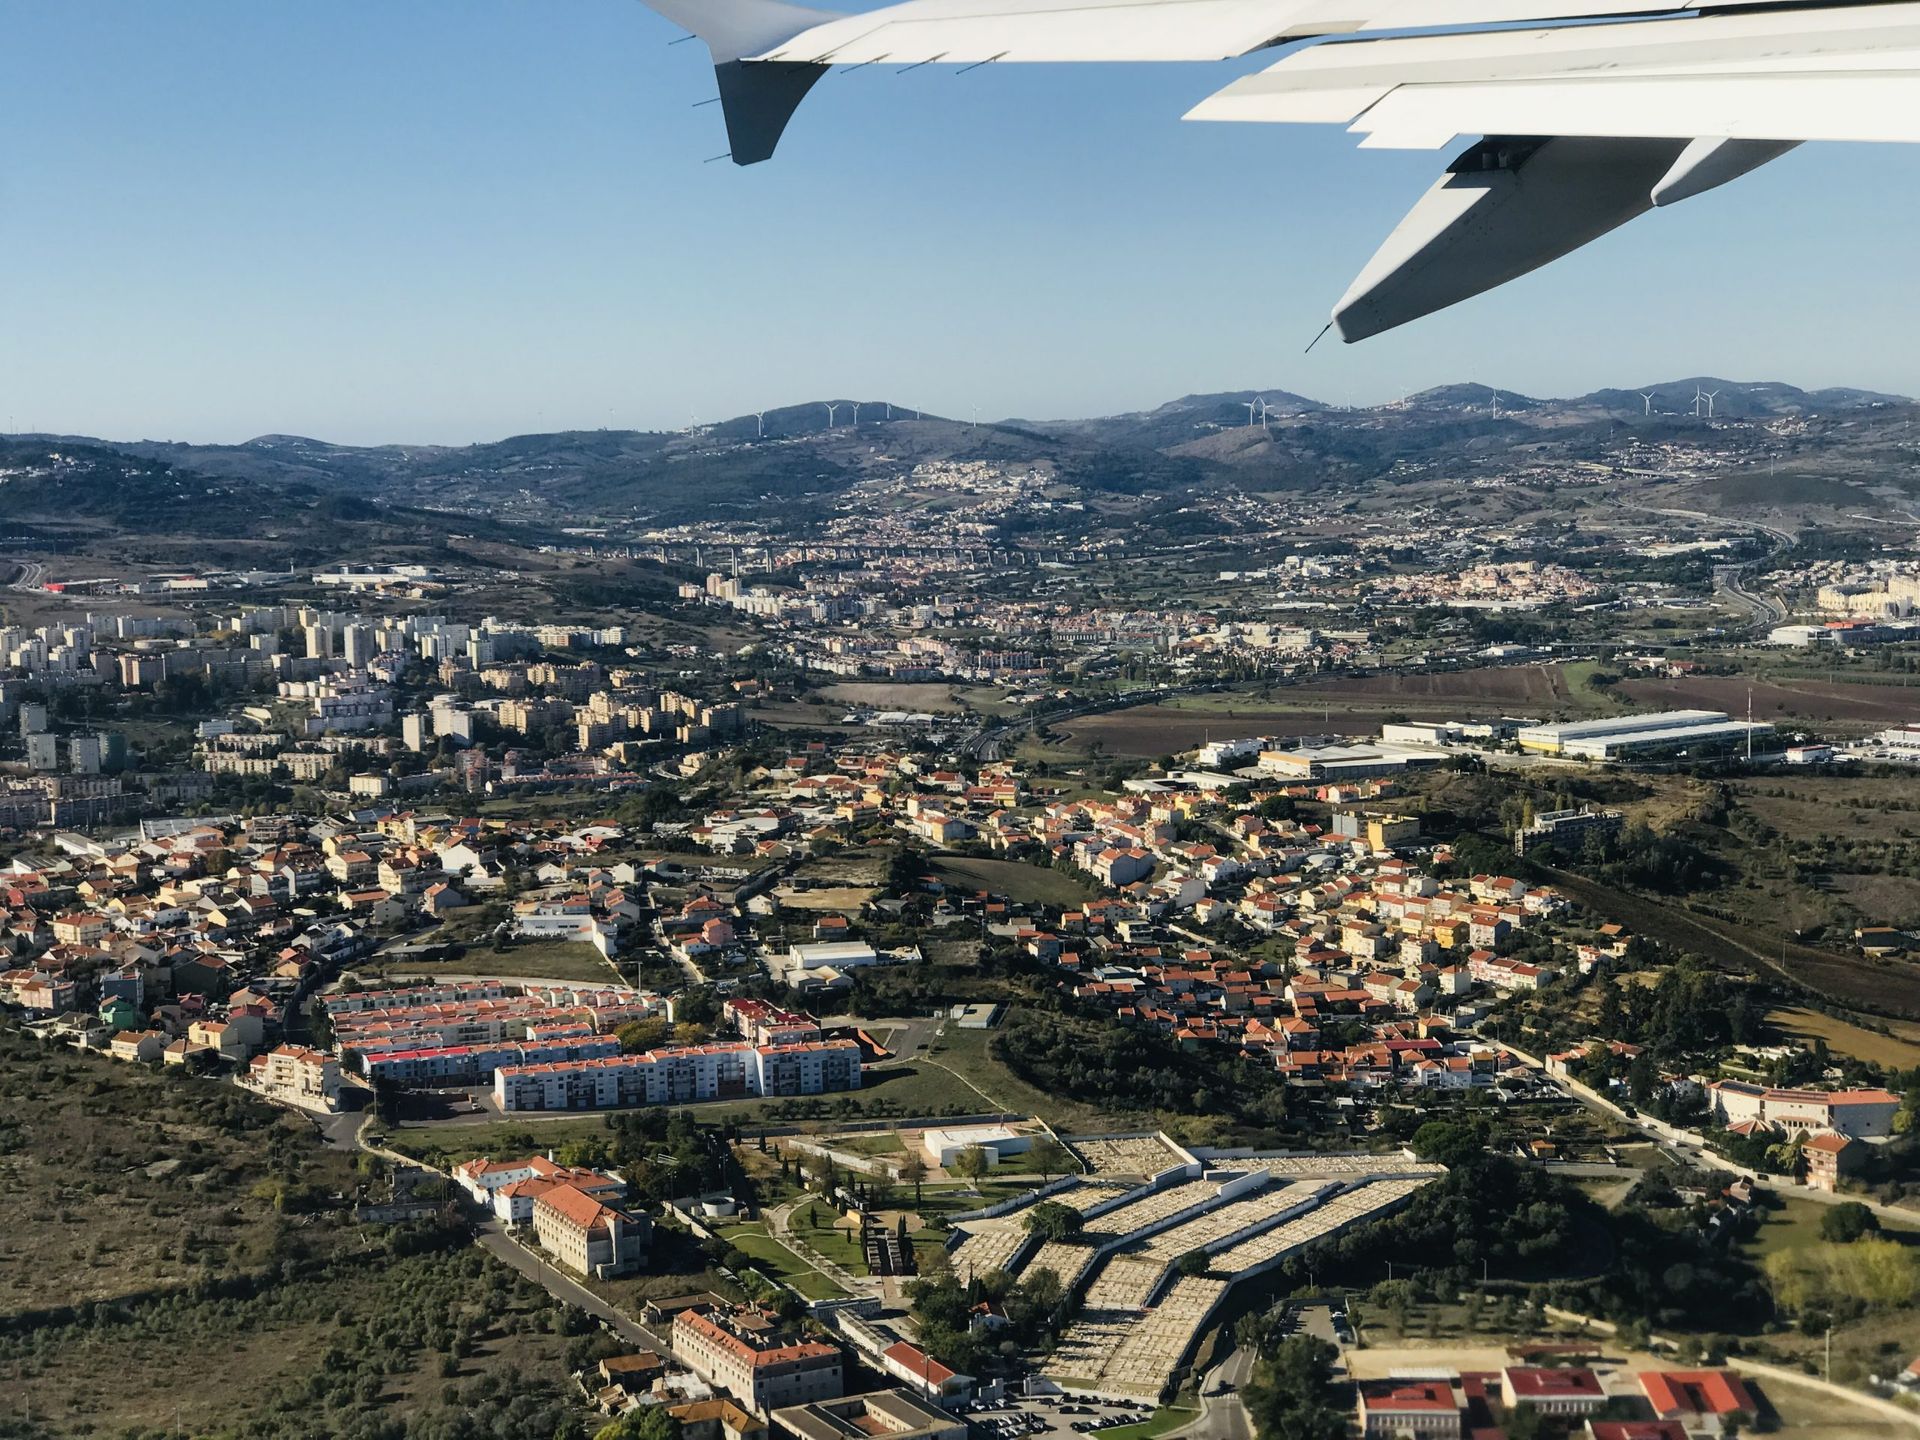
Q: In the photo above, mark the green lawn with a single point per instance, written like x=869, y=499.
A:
x=777, y=1260
x=957, y=1199
x=968, y=1053
x=840, y=1246
x=1166, y=1418
x=887, y=1143
x=1796, y=1225
x=444, y=1146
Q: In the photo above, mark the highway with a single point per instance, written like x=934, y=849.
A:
x=1729, y=580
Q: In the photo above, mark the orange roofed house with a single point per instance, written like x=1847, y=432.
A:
x=762, y=1376
x=1701, y=1400
x=588, y=1236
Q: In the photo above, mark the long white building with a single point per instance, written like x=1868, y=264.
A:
x=1667, y=732
x=681, y=1075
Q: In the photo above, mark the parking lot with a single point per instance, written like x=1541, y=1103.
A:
x=1063, y=1417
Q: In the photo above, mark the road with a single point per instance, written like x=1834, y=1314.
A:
x=1729, y=580
x=1767, y=612
x=1688, y=1148
x=347, y=1131
x=492, y=1237
x=32, y=575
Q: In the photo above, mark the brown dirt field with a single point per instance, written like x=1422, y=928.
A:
x=1900, y=1050
x=1162, y=730
x=1866, y=705
x=906, y=695
x=1328, y=705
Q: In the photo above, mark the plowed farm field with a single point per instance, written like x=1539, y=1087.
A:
x=1340, y=705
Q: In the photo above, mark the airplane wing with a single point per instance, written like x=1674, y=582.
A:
x=1585, y=125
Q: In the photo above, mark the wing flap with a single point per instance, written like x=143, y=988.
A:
x=1503, y=209
x=1837, y=74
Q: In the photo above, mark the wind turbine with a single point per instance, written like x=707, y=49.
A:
x=1712, y=395
x=889, y=410
x=856, y=414
x=1647, y=395
x=1252, y=405
x=1263, y=412
x=830, y=409
x=759, y=424
x=1699, y=398
x=1496, y=404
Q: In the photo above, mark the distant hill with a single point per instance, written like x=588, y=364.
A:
x=1179, y=421
x=64, y=482
x=1736, y=400
x=778, y=463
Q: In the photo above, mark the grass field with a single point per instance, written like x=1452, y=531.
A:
x=1029, y=884
x=1900, y=1050
x=837, y=1242
x=780, y=1262
x=968, y=1053
x=1891, y=988
x=887, y=1143
x=527, y=960
x=934, y=699
x=1795, y=1225
x=127, y=1180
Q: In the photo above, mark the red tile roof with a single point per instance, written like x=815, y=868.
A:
x=1674, y=1393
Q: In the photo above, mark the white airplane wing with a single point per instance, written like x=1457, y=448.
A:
x=1586, y=125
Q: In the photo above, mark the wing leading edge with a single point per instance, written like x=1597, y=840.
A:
x=1587, y=126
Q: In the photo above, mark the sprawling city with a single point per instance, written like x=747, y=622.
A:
x=1251, y=918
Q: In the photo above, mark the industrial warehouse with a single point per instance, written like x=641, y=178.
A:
x=1667, y=734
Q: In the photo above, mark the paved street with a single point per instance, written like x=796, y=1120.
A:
x=1687, y=1148
x=492, y=1237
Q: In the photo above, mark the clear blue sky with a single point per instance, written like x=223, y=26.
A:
x=447, y=220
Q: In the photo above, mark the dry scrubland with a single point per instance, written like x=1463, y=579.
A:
x=156, y=1216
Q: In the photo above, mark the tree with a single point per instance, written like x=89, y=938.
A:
x=971, y=1164
x=1053, y=1221
x=1843, y=1224
x=649, y=1422
x=637, y=1036
x=1193, y=1263
x=1449, y=1142
x=1789, y=1157
x=1050, y=1157
x=913, y=1170
x=1291, y=1393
